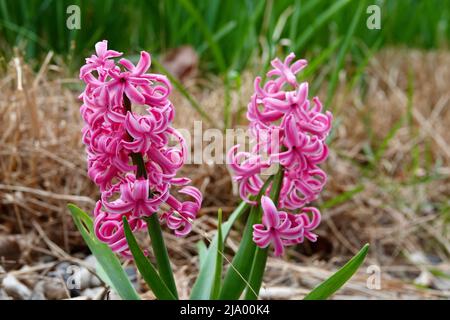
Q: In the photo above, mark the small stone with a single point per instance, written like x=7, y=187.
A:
x=418, y=257
x=91, y=261
x=132, y=275
x=442, y=284
x=15, y=288
x=39, y=291
x=55, y=289
x=95, y=281
x=424, y=279
x=92, y=293
x=76, y=277
x=84, y=277
x=4, y=295
x=113, y=296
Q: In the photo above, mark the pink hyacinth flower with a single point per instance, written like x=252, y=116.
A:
x=100, y=62
x=134, y=197
x=128, y=82
x=291, y=130
x=285, y=71
x=133, y=155
x=179, y=218
x=109, y=229
x=277, y=228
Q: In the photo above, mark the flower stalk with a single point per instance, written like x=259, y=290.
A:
x=153, y=225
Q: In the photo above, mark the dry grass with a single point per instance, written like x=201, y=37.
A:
x=401, y=183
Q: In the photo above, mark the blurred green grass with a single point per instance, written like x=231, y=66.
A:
x=227, y=34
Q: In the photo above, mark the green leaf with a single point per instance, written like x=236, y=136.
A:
x=219, y=259
x=337, y=280
x=256, y=276
x=237, y=275
x=203, y=285
x=145, y=267
x=260, y=257
x=202, y=251
x=161, y=254
x=110, y=269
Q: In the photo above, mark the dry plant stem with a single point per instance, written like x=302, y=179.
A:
x=153, y=225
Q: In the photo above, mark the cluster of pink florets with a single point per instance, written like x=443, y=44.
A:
x=291, y=132
x=114, y=134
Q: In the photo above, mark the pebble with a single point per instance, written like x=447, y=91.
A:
x=91, y=261
x=15, y=288
x=76, y=277
x=113, y=295
x=92, y=293
x=424, y=279
x=4, y=295
x=55, y=289
x=39, y=291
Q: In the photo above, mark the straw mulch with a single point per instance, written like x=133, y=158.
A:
x=394, y=191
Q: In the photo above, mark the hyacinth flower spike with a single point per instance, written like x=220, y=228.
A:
x=294, y=131
x=129, y=155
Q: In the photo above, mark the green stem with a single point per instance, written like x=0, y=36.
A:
x=153, y=225
x=160, y=251
x=260, y=257
x=235, y=278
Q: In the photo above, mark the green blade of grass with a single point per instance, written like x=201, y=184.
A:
x=343, y=197
x=222, y=32
x=343, y=52
x=318, y=22
x=217, y=53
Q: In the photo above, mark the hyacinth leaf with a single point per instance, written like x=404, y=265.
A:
x=236, y=277
x=338, y=279
x=260, y=258
x=110, y=269
x=219, y=259
x=204, y=283
x=161, y=254
x=145, y=267
x=202, y=251
x=258, y=268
